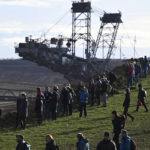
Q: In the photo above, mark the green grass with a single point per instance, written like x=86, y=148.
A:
x=98, y=121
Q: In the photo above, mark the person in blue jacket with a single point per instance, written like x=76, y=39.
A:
x=83, y=94
x=125, y=141
x=83, y=143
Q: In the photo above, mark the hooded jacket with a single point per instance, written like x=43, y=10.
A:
x=106, y=145
x=83, y=144
x=125, y=143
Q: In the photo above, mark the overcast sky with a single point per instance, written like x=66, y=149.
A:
x=20, y=18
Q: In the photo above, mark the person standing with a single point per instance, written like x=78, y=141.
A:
x=104, y=91
x=54, y=102
x=50, y=143
x=91, y=91
x=116, y=128
x=126, y=104
x=46, y=105
x=22, y=110
x=141, y=98
x=82, y=143
x=98, y=89
x=22, y=145
x=70, y=98
x=39, y=106
x=106, y=143
x=83, y=101
x=64, y=98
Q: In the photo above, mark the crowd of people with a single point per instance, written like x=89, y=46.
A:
x=49, y=104
x=135, y=70
x=82, y=143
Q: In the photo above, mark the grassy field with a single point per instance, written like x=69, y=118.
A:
x=98, y=121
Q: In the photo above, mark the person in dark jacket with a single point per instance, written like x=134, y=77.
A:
x=50, y=143
x=141, y=98
x=39, y=106
x=104, y=93
x=22, y=145
x=98, y=88
x=54, y=102
x=116, y=128
x=46, y=104
x=64, y=99
x=112, y=79
x=126, y=104
x=82, y=143
x=106, y=143
x=83, y=101
x=70, y=98
x=91, y=91
x=22, y=110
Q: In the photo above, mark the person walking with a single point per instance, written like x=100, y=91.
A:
x=106, y=143
x=22, y=110
x=82, y=143
x=141, y=98
x=50, y=143
x=116, y=121
x=126, y=104
x=22, y=145
x=83, y=101
x=39, y=106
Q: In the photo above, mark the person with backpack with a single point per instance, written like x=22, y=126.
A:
x=126, y=142
x=83, y=143
x=142, y=94
x=83, y=94
x=98, y=88
x=126, y=104
x=22, y=110
x=39, y=106
x=91, y=90
x=50, y=143
x=106, y=143
x=118, y=124
x=22, y=145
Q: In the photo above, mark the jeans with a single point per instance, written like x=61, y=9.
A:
x=129, y=81
x=83, y=108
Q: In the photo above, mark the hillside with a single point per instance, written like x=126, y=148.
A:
x=97, y=122
x=25, y=74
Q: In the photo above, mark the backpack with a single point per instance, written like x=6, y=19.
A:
x=132, y=145
x=27, y=146
x=144, y=93
x=122, y=121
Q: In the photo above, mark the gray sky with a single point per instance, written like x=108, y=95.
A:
x=20, y=18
